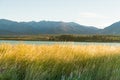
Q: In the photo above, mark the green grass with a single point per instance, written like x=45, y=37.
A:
x=59, y=62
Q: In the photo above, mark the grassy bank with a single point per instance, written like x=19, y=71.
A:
x=59, y=62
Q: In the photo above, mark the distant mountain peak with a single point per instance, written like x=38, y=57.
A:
x=43, y=27
x=53, y=27
x=113, y=29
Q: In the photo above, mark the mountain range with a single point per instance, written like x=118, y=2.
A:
x=8, y=27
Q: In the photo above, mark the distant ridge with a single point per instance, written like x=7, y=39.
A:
x=8, y=27
x=113, y=29
x=43, y=27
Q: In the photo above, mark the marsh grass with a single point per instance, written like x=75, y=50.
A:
x=59, y=62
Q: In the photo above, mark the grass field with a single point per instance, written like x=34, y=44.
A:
x=59, y=62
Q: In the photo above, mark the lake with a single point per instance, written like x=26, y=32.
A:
x=54, y=42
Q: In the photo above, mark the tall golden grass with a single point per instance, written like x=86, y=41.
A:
x=59, y=62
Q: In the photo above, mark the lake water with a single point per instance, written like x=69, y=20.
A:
x=54, y=42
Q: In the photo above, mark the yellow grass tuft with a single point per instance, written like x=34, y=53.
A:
x=59, y=62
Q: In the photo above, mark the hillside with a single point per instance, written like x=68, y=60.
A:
x=43, y=27
x=8, y=27
x=113, y=29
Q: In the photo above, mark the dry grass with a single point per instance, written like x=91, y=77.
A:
x=59, y=62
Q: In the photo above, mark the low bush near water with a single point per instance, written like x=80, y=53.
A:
x=59, y=62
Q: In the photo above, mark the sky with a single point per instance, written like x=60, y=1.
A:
x=98, y=13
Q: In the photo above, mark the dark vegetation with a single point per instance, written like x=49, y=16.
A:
x=77, y=38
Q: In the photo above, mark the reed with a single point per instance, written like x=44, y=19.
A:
x=59, y=62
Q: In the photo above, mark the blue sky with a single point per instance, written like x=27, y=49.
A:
x=99, y=13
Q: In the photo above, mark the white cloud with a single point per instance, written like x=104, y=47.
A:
x=92, y=15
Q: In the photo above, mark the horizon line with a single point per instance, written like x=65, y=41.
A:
x=56, y=21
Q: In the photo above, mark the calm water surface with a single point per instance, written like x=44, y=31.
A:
x=54, y=42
